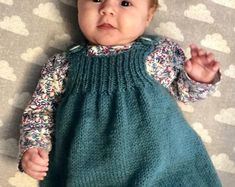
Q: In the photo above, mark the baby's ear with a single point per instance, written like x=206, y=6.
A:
x=150, y=15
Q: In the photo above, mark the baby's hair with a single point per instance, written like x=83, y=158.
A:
x=154, y=3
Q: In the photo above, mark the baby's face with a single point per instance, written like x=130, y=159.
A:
x=113, y=22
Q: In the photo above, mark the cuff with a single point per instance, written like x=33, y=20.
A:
x=215, y=81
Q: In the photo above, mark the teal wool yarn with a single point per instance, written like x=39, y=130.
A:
x=117, y=127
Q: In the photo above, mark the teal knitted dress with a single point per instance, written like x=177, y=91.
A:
x=117, y=127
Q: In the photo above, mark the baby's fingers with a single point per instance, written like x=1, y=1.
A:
x=35, y=167
x=214, y=66
x=201, y=52
x=211, y=63
x=35, y=174
x=197, y=52
x=194, y=50
x=188, y=66
x=43, y=154
x=38, y=160
x=210, y=57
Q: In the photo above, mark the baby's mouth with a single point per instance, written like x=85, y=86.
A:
x=105, y=26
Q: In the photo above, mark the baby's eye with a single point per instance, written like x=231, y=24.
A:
x=125, y=3
x=97, y=1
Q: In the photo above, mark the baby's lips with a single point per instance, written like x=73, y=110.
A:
x=105, y=26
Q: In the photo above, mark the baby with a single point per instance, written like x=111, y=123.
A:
x=105, y=110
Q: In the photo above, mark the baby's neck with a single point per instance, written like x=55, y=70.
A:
x=109, y=46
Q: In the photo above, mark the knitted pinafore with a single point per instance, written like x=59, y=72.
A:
x=117, y=127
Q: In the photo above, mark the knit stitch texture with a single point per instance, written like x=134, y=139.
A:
x=117, y=127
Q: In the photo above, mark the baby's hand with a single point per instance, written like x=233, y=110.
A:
x=201, y=67
x=35, y=163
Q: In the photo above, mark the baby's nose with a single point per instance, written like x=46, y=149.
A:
x=107, y=8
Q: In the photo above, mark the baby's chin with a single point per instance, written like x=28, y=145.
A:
x=109, y=42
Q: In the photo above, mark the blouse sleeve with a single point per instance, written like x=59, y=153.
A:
x=37, y=123
x=166, y=65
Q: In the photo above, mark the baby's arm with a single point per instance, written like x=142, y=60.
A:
x=167, y=65
x=38, y=119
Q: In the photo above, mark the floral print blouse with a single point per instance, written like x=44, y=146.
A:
x=165, y=64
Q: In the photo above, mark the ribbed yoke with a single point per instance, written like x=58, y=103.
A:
x=110, y=73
